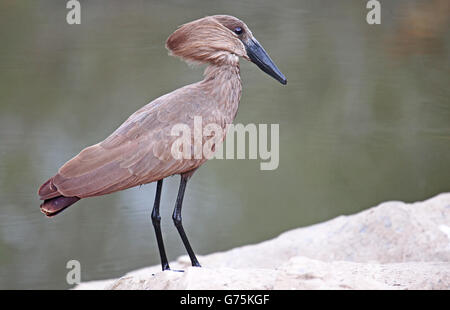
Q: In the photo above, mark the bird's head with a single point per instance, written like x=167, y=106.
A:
x=220, y=39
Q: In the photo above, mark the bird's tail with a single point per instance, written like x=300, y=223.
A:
x=53, y=206
x=54, y=202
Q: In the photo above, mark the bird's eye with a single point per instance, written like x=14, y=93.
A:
x=238, y=30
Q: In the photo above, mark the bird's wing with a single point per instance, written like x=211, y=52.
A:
x=139, y=151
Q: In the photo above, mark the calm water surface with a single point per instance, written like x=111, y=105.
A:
x=364, y=118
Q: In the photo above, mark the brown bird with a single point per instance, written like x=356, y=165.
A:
x=139, y=151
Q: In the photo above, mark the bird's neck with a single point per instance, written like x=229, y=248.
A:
x=223, y=82
x=224, y=64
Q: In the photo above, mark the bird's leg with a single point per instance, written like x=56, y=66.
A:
x=177, y=220
x=156, y=220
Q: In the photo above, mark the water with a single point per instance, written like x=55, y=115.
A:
x=365, y=118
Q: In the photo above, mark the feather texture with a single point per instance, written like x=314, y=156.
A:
x=139, y=151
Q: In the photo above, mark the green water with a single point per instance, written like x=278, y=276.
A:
x=365, y=118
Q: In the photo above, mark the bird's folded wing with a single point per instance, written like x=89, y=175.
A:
x=138, y=152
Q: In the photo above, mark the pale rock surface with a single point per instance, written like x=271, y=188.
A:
x=391, y=246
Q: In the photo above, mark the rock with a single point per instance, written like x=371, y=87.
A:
x=391, y=246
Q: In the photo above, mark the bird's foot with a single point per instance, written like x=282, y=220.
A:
x=196, y=264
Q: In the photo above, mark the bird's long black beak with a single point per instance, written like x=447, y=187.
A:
x=259, y=56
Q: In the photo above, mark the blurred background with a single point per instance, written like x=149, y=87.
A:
x=365, y=118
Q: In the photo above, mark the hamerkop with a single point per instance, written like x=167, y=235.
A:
x=139, y=151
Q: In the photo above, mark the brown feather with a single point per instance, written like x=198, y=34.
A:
x=51, y=207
